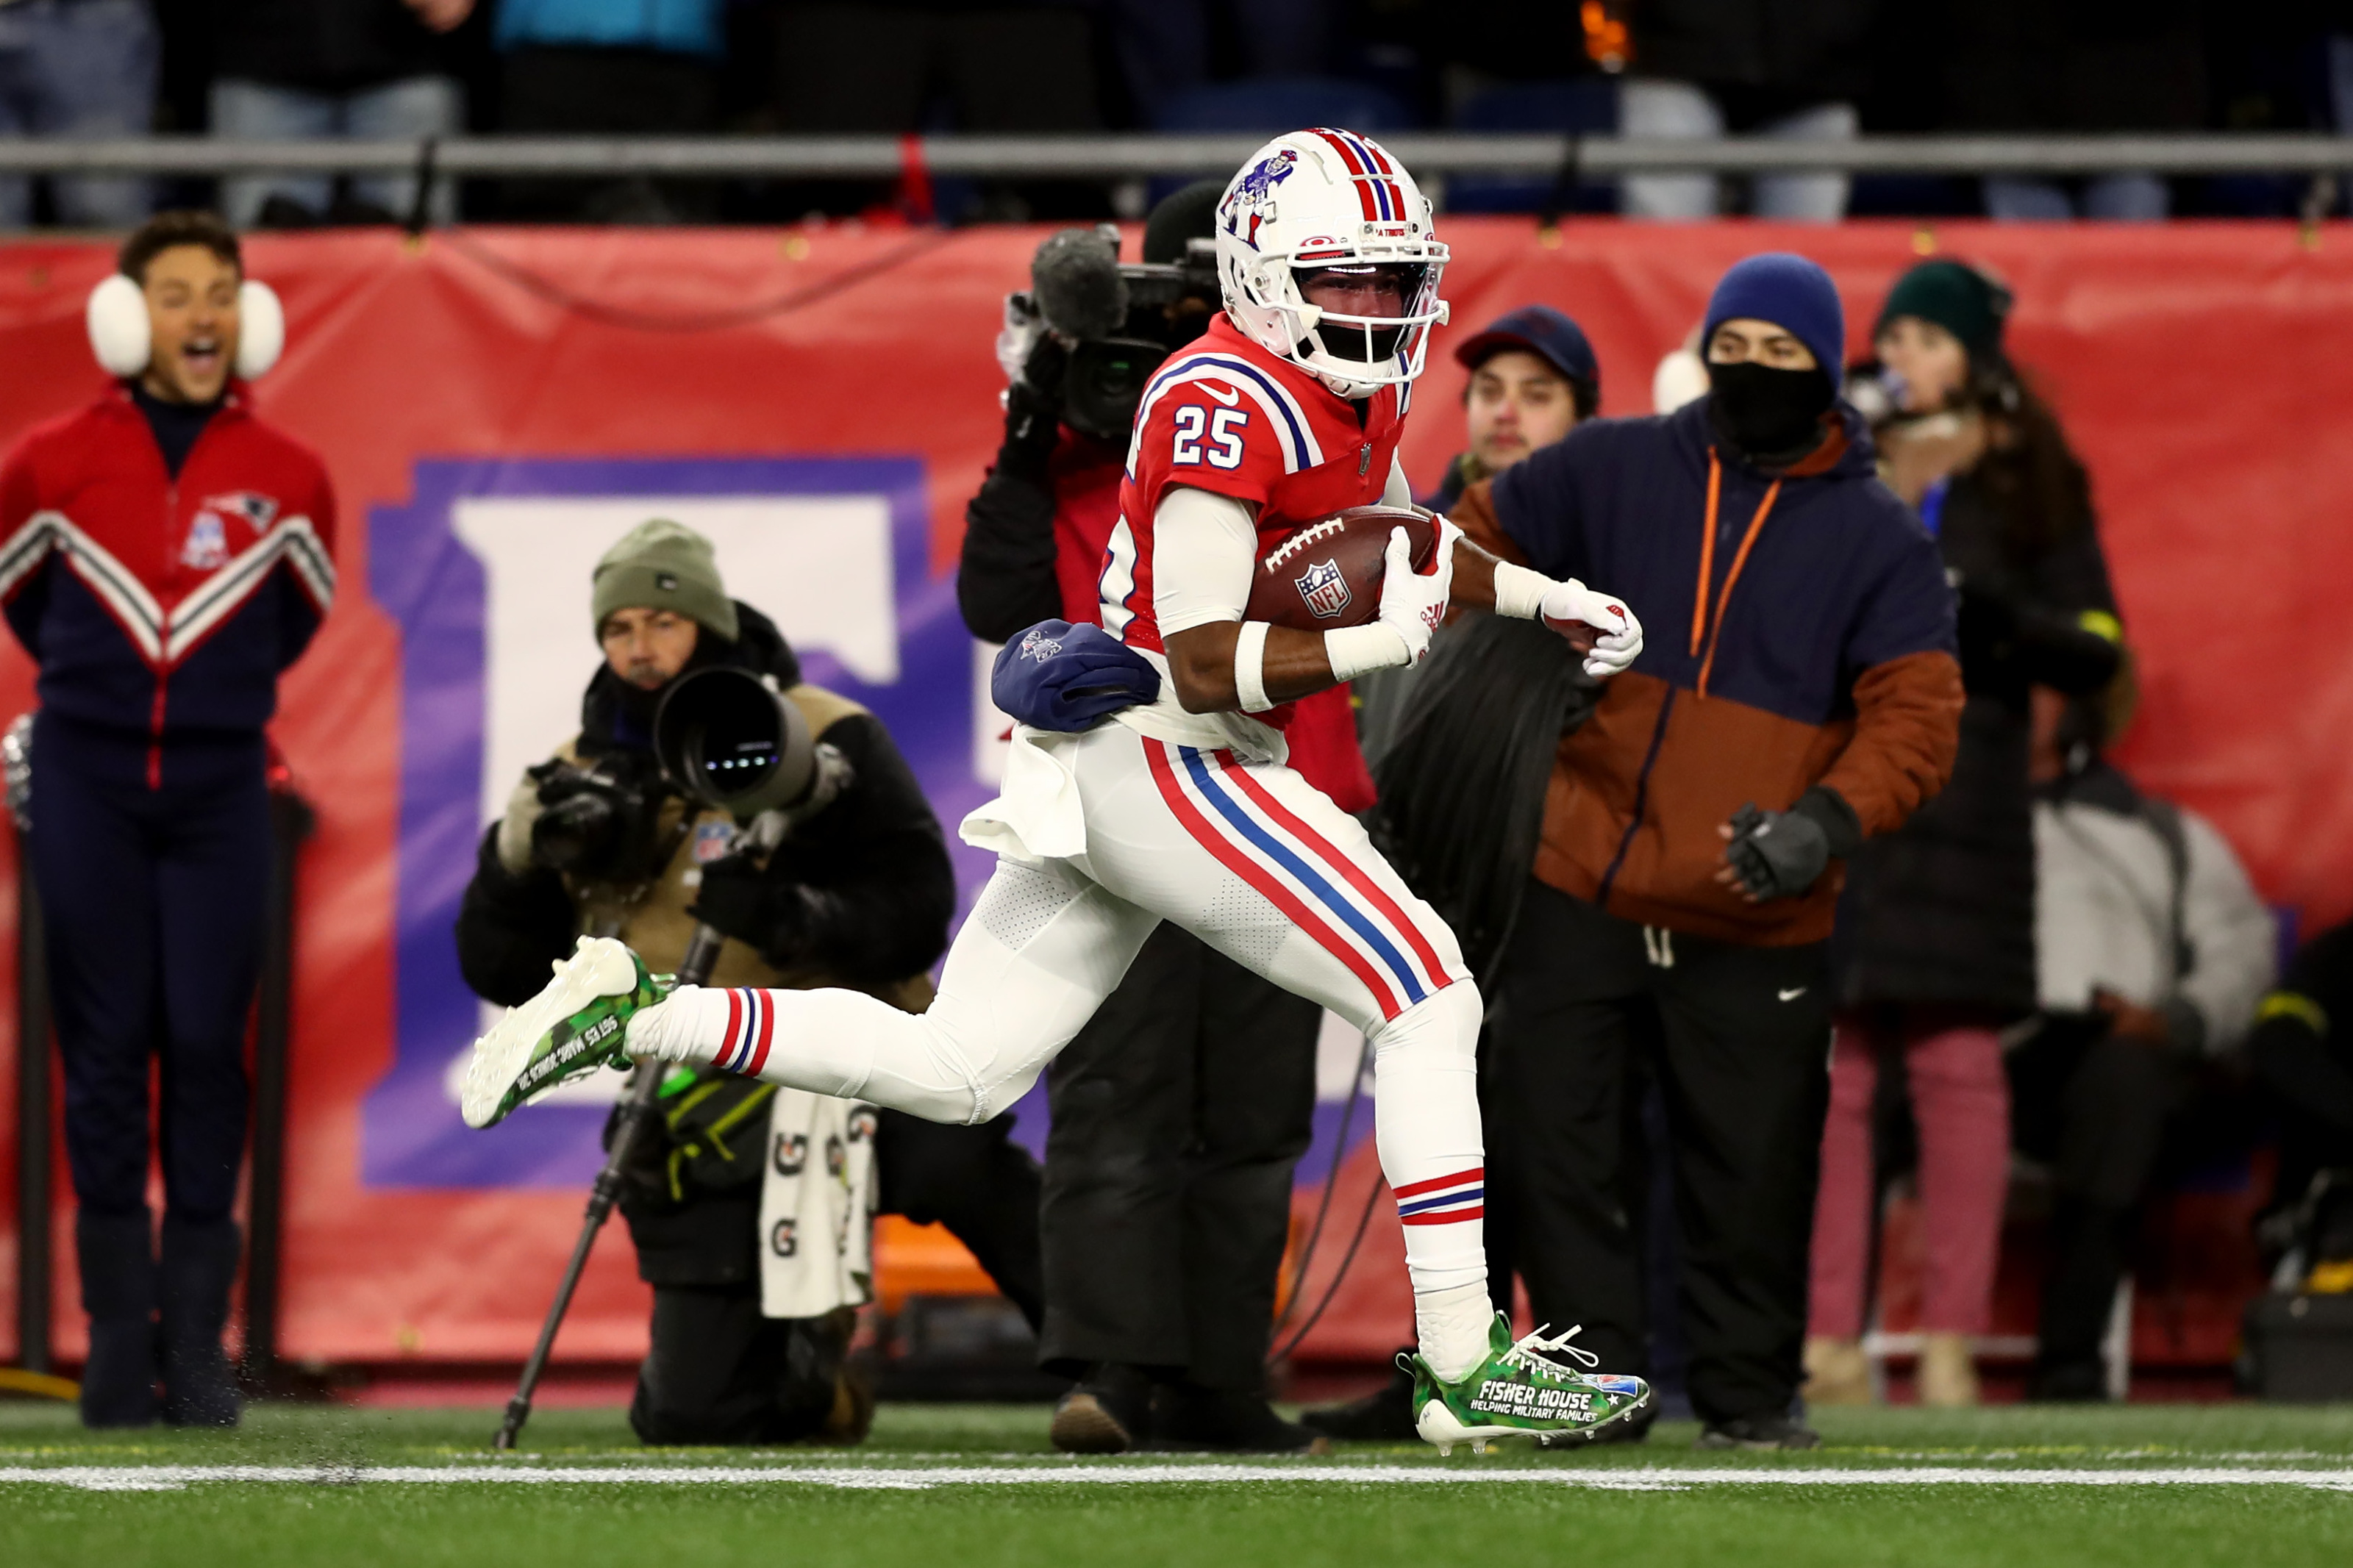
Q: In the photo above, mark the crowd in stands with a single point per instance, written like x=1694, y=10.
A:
x=1818, y=69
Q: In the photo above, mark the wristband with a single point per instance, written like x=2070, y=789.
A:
x=1353, y=651
x=1520, y=593
x=1250, y=667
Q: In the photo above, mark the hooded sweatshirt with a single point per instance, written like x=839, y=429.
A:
x=1799, y=631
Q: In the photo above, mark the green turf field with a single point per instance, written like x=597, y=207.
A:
x=961, y=1487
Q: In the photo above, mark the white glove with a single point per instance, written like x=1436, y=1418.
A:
x=1621, y=635
x=1413, y=603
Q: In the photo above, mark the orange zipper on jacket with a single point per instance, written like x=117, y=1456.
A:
x=1701, y=627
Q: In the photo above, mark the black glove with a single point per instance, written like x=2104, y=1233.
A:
x=738, y=900
x=1033, y=411
x=1782, y=854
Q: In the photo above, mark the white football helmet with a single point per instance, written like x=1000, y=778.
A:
x=1326, y=198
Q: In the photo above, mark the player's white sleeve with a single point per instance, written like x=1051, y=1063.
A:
x=1204, y=549
x=1396, y=492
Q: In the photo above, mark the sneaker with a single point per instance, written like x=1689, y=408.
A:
x=1384, y=1415
x=1108, y=1411
x=1223, y=1421
x=576, y=1024
x=1517, y=1392
x=1759, y=1433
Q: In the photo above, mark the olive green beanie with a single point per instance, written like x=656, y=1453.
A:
x=663, y=565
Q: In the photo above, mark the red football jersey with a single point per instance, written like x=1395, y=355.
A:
x=1226, y=415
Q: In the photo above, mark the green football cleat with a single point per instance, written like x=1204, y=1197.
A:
x=1518, y=1392
x=579, y=1023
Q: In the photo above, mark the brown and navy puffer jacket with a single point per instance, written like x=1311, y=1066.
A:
x=1799, y=630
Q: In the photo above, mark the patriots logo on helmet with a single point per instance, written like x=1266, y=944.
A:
x=1325, y=587
x=1038, y=646
x=1253, y=190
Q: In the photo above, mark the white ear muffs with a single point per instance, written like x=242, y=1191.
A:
x=117, y=318
x=262, y=329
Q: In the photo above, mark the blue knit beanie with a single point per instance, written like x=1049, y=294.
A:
x=1792, y=293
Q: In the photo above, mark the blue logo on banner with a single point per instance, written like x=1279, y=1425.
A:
x=486, y=572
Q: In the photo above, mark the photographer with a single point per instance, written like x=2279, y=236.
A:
x=1161, y=1251
x=858, y=894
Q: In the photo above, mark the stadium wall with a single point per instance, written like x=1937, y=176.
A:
x=495, y=405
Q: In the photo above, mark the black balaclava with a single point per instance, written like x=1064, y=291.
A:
x=1766, y=414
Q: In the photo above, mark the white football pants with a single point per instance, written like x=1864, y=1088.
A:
x=1248, y=858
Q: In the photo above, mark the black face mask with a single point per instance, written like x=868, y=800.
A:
x=1769, y=413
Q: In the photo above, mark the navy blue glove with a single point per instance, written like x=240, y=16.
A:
x=1056, y=676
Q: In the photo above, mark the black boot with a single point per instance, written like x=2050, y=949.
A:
x=199, y=1268
x=1187, y=1419
x=2089, y=1250
x=1108, y=1411
x=117, y=1254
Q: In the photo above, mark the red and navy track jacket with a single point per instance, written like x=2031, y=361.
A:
x=158, y=607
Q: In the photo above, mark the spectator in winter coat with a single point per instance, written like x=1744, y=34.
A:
x=301, y=70
x=1935, y=949
x=1703, y=68
x=2152, y=950
x=1801, y=697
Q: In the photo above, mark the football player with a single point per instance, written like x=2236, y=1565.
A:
x=1287, y=411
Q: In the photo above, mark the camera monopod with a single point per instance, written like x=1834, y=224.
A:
x=729, y=740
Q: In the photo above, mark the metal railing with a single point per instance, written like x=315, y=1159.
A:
x=1131, y=156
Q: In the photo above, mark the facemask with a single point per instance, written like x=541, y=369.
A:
x=1765, y=412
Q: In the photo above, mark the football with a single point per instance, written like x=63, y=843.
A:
x=1329, y=574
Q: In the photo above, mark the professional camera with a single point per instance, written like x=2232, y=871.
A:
x=729, y=738
x=1118, y=321
x=599, y=822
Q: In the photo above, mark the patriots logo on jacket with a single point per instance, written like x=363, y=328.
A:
x=1255, y=191
x=208, y=549
x=1326, y=589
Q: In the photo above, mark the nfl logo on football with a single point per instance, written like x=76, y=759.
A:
x=1325, y=589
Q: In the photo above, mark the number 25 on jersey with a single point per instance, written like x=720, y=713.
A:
x=1224, y=450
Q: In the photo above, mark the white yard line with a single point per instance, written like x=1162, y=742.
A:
x=172, y=1478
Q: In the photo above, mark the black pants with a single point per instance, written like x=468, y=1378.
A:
x=2098, y=1110
x=153, y=902
x=977, y=1183
x=1739, y=1038
x=718, y=1372
x=1179, y=1112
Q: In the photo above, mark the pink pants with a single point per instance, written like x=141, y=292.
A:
x=1960, y=1101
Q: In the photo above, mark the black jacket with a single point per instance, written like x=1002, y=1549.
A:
x=875, y=859
x=1941, y=912
x=326, y=46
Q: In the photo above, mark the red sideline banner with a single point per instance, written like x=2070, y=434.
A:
x=495, y=406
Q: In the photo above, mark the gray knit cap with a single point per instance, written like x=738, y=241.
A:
x=663, y=565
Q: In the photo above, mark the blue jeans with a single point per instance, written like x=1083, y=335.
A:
x=79, y=69
x=409, y=110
